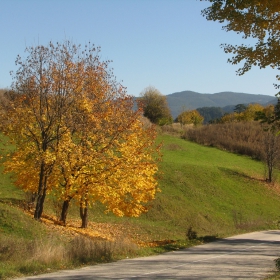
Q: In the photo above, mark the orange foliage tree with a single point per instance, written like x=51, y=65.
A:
x=76, y=133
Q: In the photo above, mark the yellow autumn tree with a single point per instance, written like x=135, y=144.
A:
x=109, y=160
x=229, y=117
x=75, y=130
x=249, y=113
x=190, y=117
x=122, y=177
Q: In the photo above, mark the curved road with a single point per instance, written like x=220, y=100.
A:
x=246, y=256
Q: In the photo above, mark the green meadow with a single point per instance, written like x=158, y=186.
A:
x=215, y=192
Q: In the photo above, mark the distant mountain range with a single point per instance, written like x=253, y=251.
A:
x=189, y=100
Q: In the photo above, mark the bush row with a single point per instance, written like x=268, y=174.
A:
x=245, y=138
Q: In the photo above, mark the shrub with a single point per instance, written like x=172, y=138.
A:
x=191, y=234
x=277, y=263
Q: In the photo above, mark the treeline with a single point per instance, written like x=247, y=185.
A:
x=156, y=109
x=211, y=113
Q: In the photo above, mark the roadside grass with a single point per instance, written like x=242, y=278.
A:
x=206, y=194
x=275, y=276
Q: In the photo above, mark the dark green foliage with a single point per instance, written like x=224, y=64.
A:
x=210, y=114
x=277, y=263
x=239, y=108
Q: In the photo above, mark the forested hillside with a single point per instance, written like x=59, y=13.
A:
x=188, y=100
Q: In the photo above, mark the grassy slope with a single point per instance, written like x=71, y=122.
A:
x=12, y=221
x=215, y=192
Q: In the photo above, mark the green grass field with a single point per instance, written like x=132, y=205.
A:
x=214, y=192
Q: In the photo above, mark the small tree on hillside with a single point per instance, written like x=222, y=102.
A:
x=271, y=153
x=190, y=117
x=269, y=119
x=250, y=113
x=155, y=106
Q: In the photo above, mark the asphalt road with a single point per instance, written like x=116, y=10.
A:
x=246, y=256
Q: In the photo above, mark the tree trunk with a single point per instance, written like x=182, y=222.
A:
x=42, y=190
x=270, y=171
x=84, y=215
x=271, y=150
x=39, y=206
x=64, y=211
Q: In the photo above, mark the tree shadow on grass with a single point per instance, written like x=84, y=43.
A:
x=231, y=172
x=208, y=238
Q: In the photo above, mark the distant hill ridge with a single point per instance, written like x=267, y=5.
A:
x=189, y=100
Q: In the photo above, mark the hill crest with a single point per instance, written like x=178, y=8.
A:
x=190, y=100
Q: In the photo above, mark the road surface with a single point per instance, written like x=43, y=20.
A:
x=246, y=256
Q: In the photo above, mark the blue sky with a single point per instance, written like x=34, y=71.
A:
x=162, y=43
